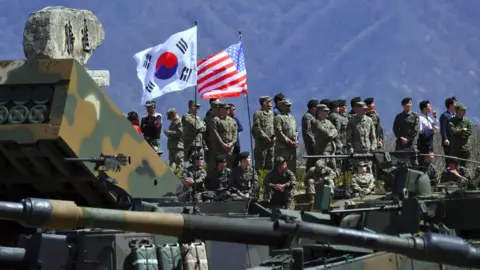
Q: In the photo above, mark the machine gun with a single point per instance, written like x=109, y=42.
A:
x=55, y=214
x=108, y=162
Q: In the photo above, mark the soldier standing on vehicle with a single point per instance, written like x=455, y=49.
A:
x=363, y=181
x=460, y=128
x=151, y=125
x=243, y=178
x=193, y=173
x=340, y=124
x=372, y=113
x=353, y=101
x=174, y=136
x=318, y=174
x=325, y=136
x=263, y=134
x=308, y=120
x=361, y=137
x=279, y=184
x=193, y=129
x=342, y=107
x=406, y=126
x=225, y=132
x=286, y=133
x=276, y=99
x=208, y=135
x=236, y=148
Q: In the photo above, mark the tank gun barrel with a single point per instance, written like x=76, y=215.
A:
x=431, y=247
x=66, y=215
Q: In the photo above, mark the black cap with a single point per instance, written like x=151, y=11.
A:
x=354, y=100
x=220, y=158
x=342, y=102
x=312, y=103
x=333, y=104
x=369, y=100
x=325, y=101
x=197, y=156
x=243, y=155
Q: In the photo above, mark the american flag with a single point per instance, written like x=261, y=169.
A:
x=224, y=74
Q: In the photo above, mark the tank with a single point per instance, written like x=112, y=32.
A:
x=56, y=214
x=53, y=109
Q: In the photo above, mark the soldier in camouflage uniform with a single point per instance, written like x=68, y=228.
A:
x=244, y=179
x=353, y=101
x=429, y=168
x=193, y=129
x=193, y=173
x=361, y=137
x=263, y=133
x=308, y=121
x=286, y=133
x=372, y=113
x=340, y=123
x=209, y=136
x=406, y=126
x=174, y=139
x=226, y=134
x=460, y=130
x=218, y=180
x=363, y=181
x=279, y=184
x=453, y=173
x=342, y=108
x=317, y=175
x=325, y=136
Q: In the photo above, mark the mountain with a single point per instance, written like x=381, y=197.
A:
x=426, y=49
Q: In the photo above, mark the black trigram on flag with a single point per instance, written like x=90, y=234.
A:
x=148, y=59
x=182, y=45
x=186, y=72
x=150, y=86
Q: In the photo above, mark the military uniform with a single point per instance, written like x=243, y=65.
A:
x=284, y=197
x=460, y=130
x=340, y=123
x=286, y=133
x=193, y=129
x=244, y=181
x=431, y=171
x=361, y=137
x=263, y=133
x=407, y=125
x=317, y=174
x=452, y=176
x=308, y=137
x=325, y=136
x=198, y=174
x=362, y=183
x=174, y=140
x=208, y=135
x=225, y=131
x=377, y=124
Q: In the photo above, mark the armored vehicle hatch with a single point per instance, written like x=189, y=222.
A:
x=52, y=109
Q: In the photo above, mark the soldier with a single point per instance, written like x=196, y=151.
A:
x=244, y=179
x=361, y=137
x=340, y=123
x=276, y=99
x=308, y=120
x=430, y=169
x=193, y=128
x=208, y=135
x=236, y=148
x=372, y=113
x=342, y=107
x=453, y=173
x=133, y=118
x=263, y=134
x=317, y=175
x=174, y=139
x=406, y=126
x=363, y=181
x=353, y=101
x=325, y=136
x=225, y=132
x=193, y=173
x=151, y=125
x=460, y=129
x=279, y=184
x=218, y=178
x=286, y=134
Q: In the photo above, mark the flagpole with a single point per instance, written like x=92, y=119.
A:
x=249, y=125
x=194, y=160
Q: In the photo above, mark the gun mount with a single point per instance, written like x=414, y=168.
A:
x=431, y=247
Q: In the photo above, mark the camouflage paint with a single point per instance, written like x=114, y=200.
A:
x=82, y=121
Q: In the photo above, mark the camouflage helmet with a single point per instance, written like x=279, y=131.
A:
x=171, y=112
x=460, y=106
